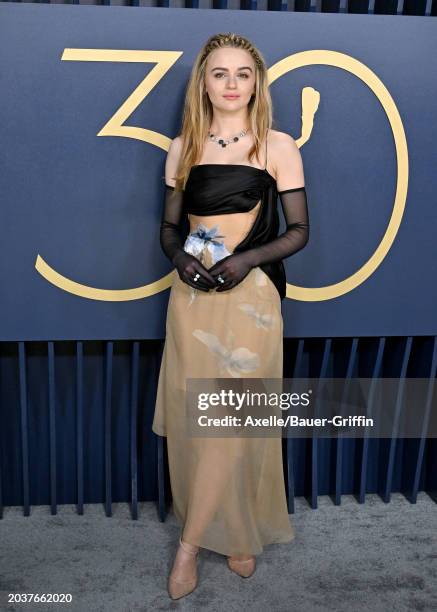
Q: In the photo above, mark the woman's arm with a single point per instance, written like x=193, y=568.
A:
x=172, y=243
x=170, y=237
x=290, y=183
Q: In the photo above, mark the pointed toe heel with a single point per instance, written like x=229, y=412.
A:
x=243, y=568
x=179, y=588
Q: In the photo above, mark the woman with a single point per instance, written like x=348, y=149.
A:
x=224, y=313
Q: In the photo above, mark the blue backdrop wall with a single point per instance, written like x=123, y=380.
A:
x=82, y=313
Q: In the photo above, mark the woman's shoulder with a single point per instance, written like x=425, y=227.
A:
x=277, y=141
x=175, y=147
x=285, y=161
x=281, y=147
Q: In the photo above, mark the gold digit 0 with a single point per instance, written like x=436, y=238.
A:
x=310, y=102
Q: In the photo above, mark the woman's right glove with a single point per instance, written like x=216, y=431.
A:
x=172, y=244
x=188, y=266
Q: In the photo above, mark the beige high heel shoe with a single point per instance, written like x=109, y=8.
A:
x=243, y=568
x=180, y=588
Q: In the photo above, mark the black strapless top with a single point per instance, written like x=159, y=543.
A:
x=213, y=189
x=218, y=189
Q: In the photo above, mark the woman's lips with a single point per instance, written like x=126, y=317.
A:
x=230, y=97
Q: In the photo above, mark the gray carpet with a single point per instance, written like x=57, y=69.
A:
x=375, y=556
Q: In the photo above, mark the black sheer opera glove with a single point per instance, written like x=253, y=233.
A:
x=173, y=246
x=234, y=268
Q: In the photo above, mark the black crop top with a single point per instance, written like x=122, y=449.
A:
x=219, y=189
x=227, y=188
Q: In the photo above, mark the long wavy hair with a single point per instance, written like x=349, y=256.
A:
x=198, y=110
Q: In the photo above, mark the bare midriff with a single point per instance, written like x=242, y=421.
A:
x=234, y=227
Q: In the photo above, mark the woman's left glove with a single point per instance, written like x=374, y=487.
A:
x=232, y=269
x=237, y=266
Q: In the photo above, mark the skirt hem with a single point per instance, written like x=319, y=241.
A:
x=259, y=549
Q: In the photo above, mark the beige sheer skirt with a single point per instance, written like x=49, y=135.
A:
x=228, y=493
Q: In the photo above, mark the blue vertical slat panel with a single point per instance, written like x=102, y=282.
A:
x=314, y=438
x=329, y=6
x=371, y=7
x=432, y=475
x=133, y=429
x=338, y=439
x=386, y=7
x=108, y=393
x=365, y=446
x=248, y=5
x=161, y=489
x=412, y=494
x=357, y=7
x=24, y=428
x=1, y=448
x=290, y=463
x=386, y=493
x=398, y=6
x=1, y=488
x=274, y=5
x=52, y=426
x=160, y=455
x=414, y=7
x=79, y=426
x=2, y=425
x=302, y=5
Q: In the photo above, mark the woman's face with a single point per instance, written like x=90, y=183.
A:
x=230, y=72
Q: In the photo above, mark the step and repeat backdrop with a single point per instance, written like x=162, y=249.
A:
x=91, y=98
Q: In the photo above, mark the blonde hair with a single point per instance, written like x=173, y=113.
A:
x=198, y=110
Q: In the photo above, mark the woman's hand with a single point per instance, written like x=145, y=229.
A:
x=188, y=266
x=233, y=268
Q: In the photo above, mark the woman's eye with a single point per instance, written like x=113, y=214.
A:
x=243, y=74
